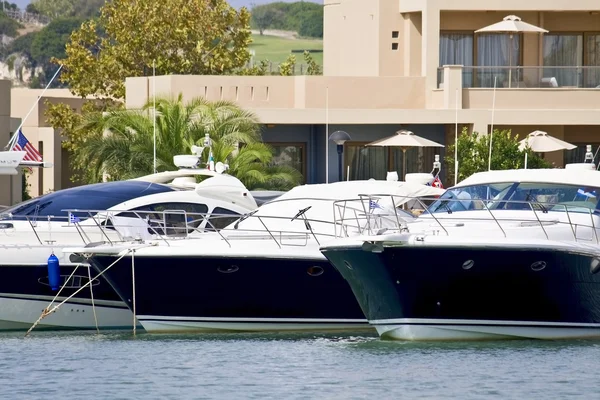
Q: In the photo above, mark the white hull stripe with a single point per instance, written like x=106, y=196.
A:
x=477, y=322
x=72, y=300
x=251, y=320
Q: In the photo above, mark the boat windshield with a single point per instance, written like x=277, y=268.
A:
x=518, y=196
x=100, y=196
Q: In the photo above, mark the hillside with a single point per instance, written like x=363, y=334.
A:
x=250, y=3
x=277, y=48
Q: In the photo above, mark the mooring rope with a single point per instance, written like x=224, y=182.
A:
x=47, y=312
x=62, y=287
x=133, y=283
x=92, y=295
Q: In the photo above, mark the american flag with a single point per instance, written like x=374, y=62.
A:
x=22, y=144
x=436, y=183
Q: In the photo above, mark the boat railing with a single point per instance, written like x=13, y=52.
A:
x=118, y=226
x=372, y=218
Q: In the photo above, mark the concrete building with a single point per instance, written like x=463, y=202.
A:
x=418, y=65
x=11, y=184
x=23, y=103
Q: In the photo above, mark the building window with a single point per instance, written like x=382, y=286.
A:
x=367, y=162
x=457, y=49
x=498, y=50
x=395, y=34
x=291, y=155
x=394, y=46
x=563, y=51
x=591, y=58
x=577, y=155
x=575, y=50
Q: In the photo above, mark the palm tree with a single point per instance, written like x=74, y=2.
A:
x=122, y=143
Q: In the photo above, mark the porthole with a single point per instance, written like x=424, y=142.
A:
x=315, y=271
x=595, y=266
x=538, y=266
x=347, y=264
x=229, y=269
x=468, y=264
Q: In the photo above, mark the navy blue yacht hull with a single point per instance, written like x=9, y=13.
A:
x=236, y=294
x=437, y=293
x=25, y=293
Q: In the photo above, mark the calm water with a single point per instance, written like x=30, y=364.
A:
x=287, y=366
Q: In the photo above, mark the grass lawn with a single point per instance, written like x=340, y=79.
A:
x=277, y=49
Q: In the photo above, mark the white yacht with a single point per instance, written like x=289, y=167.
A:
x=263, y=272
x=503, y=254
x=30, y=232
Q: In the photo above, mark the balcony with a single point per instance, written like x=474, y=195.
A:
x=518, y=88
x=584, y=77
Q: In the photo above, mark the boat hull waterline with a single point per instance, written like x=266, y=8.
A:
x=25, y=294
x=207, y=294
x=473, y=293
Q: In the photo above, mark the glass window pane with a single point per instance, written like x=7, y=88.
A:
x=291, y=155
x=366, y=162
x=497, y=52
x=457, y=49
x=100, y=196
x=563, y=51
x=592, y=60
x=220, y=218
x=418, y=159
x=577, y=155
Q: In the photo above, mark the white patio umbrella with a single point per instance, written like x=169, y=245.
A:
x=404, y=139
x=511, y=24
x=541, y=142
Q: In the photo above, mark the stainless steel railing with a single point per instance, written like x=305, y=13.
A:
x=571, y=217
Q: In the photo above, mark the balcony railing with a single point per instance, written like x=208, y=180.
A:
x=528, y=77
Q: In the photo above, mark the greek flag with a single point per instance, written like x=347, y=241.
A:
x=73, y=219
x=582, y=192
x=373, y=205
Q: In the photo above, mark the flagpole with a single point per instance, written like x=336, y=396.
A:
x=327, y=134
x=13, y=139
x=492, y=130
x=456, y=139
x=154, y=108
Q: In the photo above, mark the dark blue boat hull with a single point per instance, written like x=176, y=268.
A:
x=244, y=291
x=410, y=285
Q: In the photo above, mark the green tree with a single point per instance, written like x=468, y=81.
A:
x=8, y=26
x=203, y=37
x=123, y=142
x=198, y=37
x=87, y=8
x=70, y=121
x=313, y=67
x=300, y=16
x=311, y=24
x=54, y=8
x=473, y=153
x=264, y=16
x=10, y=6
x=288, y=67
x=50, y=42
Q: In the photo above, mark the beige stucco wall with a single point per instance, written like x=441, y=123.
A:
x=282, y=92
x=351, y=37
x=38, y=131
x=11, y=184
